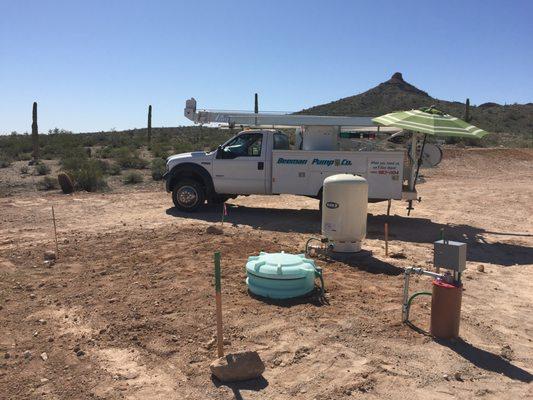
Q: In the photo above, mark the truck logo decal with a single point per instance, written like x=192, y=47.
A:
x=329, y=163
x=332, y=204
x=291, y=161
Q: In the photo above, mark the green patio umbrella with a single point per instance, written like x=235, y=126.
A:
x=430, y=121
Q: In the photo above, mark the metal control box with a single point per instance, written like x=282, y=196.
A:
x=449, y=255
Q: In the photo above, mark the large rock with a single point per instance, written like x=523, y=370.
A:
x=213, y=230
x=238, y=366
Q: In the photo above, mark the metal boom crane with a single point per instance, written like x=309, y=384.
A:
x=270, y=120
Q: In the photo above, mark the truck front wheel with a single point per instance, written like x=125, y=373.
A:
x=188, y=195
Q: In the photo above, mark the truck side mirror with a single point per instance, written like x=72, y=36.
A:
x=219, y=152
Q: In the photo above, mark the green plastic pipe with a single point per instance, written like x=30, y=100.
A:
x=411, y=299
x=217, y=272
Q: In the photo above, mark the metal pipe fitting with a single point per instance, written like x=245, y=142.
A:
x=407, y=273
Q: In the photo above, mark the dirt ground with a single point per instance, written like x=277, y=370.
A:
x=127, y=312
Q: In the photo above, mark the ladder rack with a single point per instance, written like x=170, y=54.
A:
x=270, y=120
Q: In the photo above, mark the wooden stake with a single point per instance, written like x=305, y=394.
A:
x=218, y=298
x=224, y=213
x=55, y=231
x=386, y=239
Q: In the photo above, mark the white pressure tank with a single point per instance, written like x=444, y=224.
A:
x=344, y=209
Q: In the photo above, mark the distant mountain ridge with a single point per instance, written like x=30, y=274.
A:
x=396, y=94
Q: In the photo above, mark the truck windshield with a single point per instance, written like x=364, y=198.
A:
x=245, y=145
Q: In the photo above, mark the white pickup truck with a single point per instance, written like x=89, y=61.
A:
x=259, y=161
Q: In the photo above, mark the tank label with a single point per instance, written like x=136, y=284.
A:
x=332, y=204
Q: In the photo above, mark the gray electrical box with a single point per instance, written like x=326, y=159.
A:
x=449, y=255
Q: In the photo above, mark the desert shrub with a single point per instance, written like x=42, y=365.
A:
x=61, y=143
x=131, y=160
x=181, y=147
x=24, y=169
x=159, y=167
x=132, y=178
x=48, y=183
x=161, y=150
x=5, y=161
x=42, y=169
x=73, y=153
x=24, y=156
x=86, y=173
x=124, y=156
x=104, y=166
x=112, y=151
x=114, y=169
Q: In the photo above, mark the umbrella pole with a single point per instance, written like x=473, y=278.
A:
x=419, y=162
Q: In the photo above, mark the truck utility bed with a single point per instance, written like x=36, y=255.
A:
x=303, y=172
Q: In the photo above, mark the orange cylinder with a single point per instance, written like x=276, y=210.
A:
x=445, y=310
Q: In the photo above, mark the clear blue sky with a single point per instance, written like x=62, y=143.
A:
x=95, y=65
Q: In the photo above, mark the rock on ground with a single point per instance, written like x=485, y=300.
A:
x=49, y=255
x=238, y=366
x=213, y=230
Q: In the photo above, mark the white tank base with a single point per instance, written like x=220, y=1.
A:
x=346, y=247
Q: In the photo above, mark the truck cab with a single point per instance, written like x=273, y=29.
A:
x=241, y=166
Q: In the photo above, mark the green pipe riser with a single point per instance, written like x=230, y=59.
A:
x=217, y=272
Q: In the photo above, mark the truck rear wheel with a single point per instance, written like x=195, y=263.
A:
x=188, y=195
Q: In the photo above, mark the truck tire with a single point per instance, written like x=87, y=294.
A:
x=188, y=195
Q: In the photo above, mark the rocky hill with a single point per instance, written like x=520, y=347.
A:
x=514, y=121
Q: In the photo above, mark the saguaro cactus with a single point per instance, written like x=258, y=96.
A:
x=35, y=133
x=149, y=129
x=467, y=110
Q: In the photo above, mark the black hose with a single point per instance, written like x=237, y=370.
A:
x=318, y=272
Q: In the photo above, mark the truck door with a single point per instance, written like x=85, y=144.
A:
x=239, y=166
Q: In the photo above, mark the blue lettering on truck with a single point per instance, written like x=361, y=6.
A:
x=329, y=163
x=316, y=161
x=291, y=161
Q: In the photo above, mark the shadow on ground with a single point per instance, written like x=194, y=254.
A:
x=254, y=385
x=401, y=228
x=480, y=358
x=487, y=361
x=364, y=261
